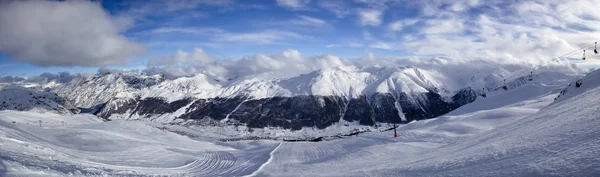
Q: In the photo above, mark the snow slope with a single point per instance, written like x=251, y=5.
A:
x=589, y=82
x=85, y=146
x=24, y=99
x=509, y=133
x=476, y=140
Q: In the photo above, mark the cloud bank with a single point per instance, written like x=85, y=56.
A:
x=291, y=63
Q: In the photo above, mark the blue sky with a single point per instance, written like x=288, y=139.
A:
x=128, y=34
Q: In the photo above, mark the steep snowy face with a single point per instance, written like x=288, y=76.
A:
x=180, y=87
x=579, y=86
x=24, y=99
x=91, y=91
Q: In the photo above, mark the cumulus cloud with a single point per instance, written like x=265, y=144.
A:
x=11, y=79
x=293, y=4
x=289, y=63
x=61, y=77
x=69, y=33
x=198, y=55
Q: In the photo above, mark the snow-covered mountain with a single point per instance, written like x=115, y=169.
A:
x=517, y=132
x=90, y=91
x=347, y=94
x=24, y=99
x=318, y=99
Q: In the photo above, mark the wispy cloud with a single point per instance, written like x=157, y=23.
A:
x=349, y=44
x=337, y=7
x=188, y=30
x=532, y=31
x=309, y=21
x=294, y=4
x=218, y=36
x=382, y=45
x=399, y=25
x=263, y=37
x=370, y=17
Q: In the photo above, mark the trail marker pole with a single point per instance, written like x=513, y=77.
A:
x=395, y=133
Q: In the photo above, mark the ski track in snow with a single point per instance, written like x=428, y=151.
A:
x=255, y=173
x=509, y=133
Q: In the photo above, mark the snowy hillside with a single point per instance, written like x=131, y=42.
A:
x=24, y=99
x=509, y=133
x=90, y=91
x=581, y=85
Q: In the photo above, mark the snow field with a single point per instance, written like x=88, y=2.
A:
x=509, y=133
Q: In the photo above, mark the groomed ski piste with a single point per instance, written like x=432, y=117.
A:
x=519, y=132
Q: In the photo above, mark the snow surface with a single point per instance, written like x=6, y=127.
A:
x=509, y=133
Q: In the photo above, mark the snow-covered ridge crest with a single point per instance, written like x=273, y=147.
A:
x=346, y=81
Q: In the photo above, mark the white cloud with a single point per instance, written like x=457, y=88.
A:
x=401, y=24
x=186, y=30
x=349, y=44
x=520, y=31
x=291, y=63
x=310, y=21
x=370, y=17
x=337, y=7
x=381, y=45
x=70, y=33
x=198, y=55
x=264, y=37
x=218, y=36
x=444, y=26
x=287, y=64
x=328, y=61
x=177, y=5
x=293, y=4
